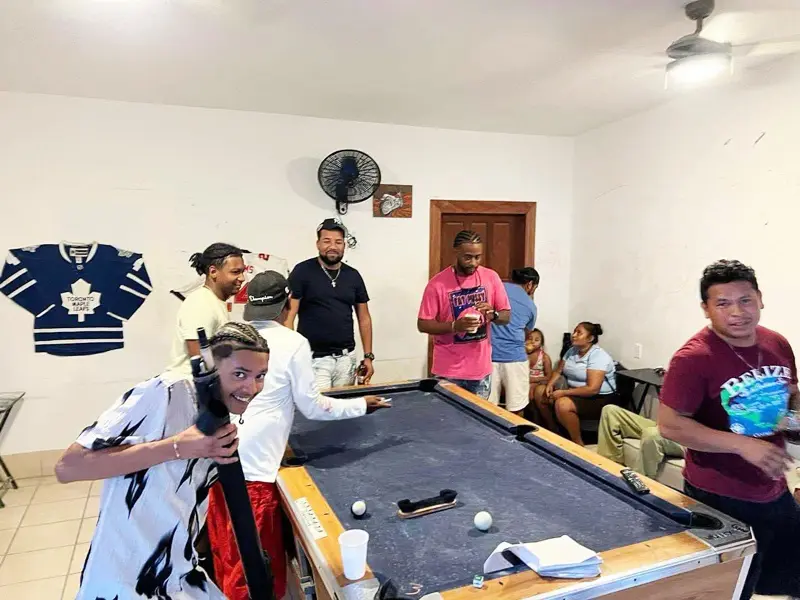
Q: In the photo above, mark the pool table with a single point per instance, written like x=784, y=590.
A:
x=535, y=484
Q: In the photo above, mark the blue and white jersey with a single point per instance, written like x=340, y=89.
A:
x=79, y=294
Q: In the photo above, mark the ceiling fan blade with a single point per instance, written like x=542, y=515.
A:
x=775, y=48
x=743, y=27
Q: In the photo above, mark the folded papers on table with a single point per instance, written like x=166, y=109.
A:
x=560, y=557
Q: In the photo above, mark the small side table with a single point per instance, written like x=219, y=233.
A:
x=7, y=402
x=648, y=377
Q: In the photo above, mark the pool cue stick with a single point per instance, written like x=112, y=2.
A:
x=213, y=415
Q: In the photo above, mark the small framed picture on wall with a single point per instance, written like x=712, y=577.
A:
x=392, y=201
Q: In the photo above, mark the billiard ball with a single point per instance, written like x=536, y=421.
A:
x=359, y=508
x=483, y=520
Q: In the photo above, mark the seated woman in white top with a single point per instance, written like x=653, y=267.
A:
x=581, y=385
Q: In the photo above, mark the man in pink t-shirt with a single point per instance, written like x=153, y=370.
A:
x=457, y=306
x=725, y=394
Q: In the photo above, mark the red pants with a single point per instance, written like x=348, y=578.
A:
x=228, y=569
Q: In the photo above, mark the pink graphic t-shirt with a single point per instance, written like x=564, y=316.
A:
x=446, y=297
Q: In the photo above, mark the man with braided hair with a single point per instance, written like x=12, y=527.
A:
x=224, y=268
x=158, y=466
x=457, y=306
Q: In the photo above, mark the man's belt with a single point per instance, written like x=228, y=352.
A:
x=333, y=353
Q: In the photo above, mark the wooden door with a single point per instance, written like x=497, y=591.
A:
x=503, y=240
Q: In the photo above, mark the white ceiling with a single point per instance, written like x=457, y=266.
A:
x=554, y=67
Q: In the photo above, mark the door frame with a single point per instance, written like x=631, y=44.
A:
x=480, y=207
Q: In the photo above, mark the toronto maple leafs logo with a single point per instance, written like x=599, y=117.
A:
x=30, y=248
x=124, y=253
x=81, y=301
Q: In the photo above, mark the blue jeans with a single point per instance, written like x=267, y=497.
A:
x=479, y=387
x=775, y=570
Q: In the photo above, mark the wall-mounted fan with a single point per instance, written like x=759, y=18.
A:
x=349, y=176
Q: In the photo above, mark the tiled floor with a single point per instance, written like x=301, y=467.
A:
x=45, y=529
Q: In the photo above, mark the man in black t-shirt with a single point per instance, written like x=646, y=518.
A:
x=324, y=293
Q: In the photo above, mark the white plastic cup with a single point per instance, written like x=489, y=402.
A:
x=475, y=320
x=353, y=544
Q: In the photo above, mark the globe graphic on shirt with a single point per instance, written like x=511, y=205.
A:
x=755, y=406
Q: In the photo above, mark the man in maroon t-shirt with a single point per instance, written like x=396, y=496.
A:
x=724, y=395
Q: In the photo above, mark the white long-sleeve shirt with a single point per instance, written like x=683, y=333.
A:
x=269, y=416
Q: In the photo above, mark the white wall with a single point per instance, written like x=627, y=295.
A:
x=167, y=181
x=662, y=194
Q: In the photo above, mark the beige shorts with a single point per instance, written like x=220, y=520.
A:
x=514, y=379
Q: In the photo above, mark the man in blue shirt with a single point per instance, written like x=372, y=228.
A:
x=510, y=370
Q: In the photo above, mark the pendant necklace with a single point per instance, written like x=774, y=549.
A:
x=328, y=275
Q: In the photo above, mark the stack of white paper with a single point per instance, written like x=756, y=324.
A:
x=560, y=557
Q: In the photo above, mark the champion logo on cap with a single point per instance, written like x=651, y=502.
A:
x=268, y=298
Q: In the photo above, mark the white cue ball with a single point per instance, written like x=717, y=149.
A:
x=483, y=520
x=359, y=508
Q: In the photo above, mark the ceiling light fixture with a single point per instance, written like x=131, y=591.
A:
x=697, y=69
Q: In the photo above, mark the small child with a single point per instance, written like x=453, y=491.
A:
x=541, y=367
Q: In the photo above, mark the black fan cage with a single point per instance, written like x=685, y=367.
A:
x=361, y=187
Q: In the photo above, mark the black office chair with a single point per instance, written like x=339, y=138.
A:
x=566, y=344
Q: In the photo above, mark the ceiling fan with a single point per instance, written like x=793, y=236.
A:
x=710, y=49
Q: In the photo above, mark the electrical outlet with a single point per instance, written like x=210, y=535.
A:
x=637, y=351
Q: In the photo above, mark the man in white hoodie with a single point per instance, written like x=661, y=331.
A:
x=264, y=431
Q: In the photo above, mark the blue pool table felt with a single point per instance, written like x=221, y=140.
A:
x=424, y=444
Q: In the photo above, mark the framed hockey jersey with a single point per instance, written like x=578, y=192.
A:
x=80, y=294
x=254, y=263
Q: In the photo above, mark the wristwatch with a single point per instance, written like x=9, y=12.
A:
x=369, y=356
x=495, y=314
